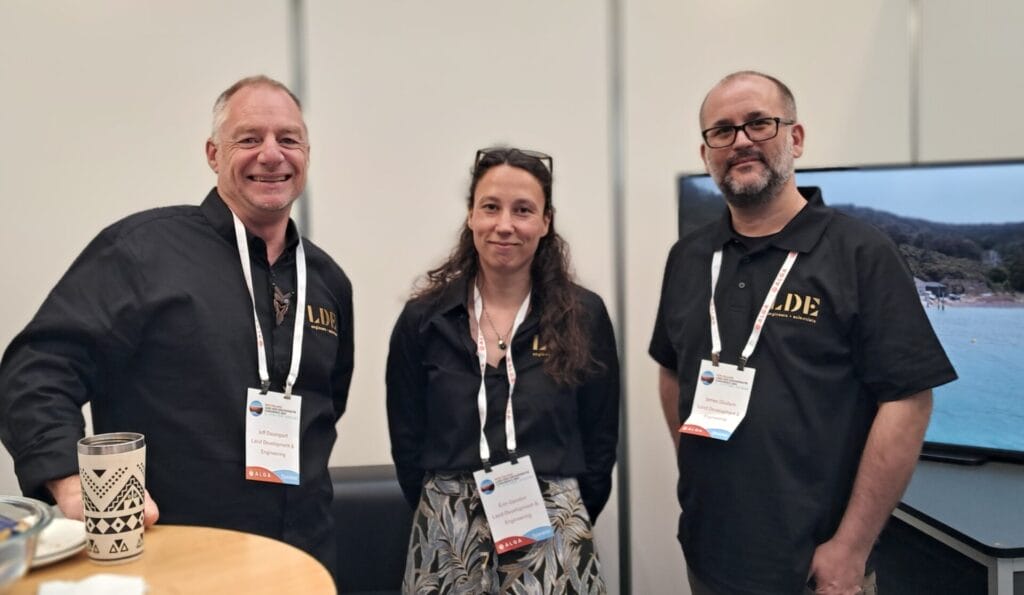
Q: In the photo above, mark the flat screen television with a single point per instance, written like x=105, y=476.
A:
x=960, y=227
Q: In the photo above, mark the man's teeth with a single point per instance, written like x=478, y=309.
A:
x=270, y=178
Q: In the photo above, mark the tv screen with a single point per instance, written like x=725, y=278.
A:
x=960, y=227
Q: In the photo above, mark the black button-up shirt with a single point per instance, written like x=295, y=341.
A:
x=433, y=377
x=847, y=331
x=153, y=325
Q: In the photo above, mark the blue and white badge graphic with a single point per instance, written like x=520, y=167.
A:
x=486, y=487
x=255, y=408
x=707, y=377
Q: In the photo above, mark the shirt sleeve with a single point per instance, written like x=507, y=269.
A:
x=406, y=404
x=897, y=352
x=342, y=376
x=660, y=347
x=54, y=366
x=599, y=413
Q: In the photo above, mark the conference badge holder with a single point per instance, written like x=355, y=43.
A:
x=509, y=492
x=513, y=504
x=272, y=419
x=723, y=390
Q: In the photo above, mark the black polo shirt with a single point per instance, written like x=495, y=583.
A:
x=433, y=377
x=153, y=325
x=847, y=331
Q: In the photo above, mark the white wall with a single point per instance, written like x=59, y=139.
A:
x=106, y=108
x=971, y=80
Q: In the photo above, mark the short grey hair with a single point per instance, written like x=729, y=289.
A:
x=220, y=112
x=788, y=101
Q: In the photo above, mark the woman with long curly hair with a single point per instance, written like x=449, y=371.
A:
x=503, y=371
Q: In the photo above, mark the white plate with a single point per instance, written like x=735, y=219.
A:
x=63, y=538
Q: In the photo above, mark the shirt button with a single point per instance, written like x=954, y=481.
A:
x=742, y=285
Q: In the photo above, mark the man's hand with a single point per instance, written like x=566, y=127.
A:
x=889, y=457
x=68, y=494
x=838, y=569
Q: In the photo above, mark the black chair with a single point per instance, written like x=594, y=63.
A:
x=372, y=523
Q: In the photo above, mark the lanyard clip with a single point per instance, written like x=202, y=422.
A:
x=743, y=362
x=487, y=465
x=513, y=457
x=264, y=387
x=714, y=358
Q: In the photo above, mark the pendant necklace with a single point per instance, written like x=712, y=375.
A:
x=502, y=345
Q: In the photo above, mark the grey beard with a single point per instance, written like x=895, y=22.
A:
x=755, y=197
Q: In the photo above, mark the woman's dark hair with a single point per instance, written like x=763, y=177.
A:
x=562, y=318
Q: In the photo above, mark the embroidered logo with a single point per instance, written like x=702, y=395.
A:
x=321, y=319
x=538, y=349
x=796, y=306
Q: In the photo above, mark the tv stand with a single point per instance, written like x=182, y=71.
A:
x=977, y=511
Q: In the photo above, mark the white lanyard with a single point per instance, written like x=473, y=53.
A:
x=300, y=309
x=481, y=397
x=769, y=301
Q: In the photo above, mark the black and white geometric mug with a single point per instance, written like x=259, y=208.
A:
x=113, y=471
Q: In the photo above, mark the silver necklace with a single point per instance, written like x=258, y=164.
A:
x=502, y=345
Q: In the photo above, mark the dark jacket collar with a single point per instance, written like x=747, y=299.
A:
x=453, y=297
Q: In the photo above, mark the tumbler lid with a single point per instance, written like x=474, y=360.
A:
x=111, y=444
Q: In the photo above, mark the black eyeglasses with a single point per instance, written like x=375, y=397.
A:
x=504, y=152
x=757, y=131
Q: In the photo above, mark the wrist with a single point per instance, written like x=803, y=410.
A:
x=851, y=546
x=65, y=486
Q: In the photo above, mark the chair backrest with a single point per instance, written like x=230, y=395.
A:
x=372, y=523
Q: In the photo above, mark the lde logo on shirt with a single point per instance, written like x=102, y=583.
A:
x=321, y=319
x=538, y=349
x=797, y=306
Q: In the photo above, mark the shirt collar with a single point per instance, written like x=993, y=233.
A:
x=218, y=214
x=454, y=296
x=454, y=301
x=800, y=234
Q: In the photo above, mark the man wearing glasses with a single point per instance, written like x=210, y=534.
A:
x=799, y=396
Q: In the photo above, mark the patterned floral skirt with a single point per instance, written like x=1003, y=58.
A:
x=451, y=550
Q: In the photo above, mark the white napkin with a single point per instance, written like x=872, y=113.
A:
x=97, y=584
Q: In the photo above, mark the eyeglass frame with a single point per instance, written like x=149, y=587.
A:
x=737, y=128
x=545, y=159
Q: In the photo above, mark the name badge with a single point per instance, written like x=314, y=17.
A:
x=272, y=437
x=513, y=504
x=720, y=401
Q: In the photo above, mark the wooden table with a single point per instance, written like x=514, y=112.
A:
x=180, y=559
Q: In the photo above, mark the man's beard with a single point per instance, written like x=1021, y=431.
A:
x=765, y=188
